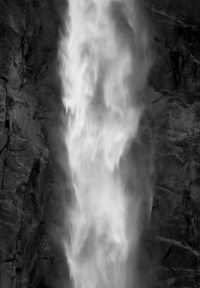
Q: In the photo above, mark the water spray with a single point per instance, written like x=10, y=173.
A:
x=104, y=67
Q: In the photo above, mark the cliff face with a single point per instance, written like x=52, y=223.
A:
x=176, y=132
x=30, y=108
x=28, y=87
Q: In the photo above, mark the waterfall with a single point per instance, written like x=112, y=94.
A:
x=104, y=68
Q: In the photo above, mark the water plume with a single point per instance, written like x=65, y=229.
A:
x=104, y=67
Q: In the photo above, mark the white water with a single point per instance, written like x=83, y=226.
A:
x=101, y=75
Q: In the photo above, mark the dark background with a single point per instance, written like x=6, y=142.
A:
x=31, y=178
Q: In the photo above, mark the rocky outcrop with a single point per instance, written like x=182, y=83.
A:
x=27, y=52
x=30, y=108
x=176, y=132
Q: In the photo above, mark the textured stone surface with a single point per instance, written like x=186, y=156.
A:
x=176, y=132
x=28, y=32
x=30, y=108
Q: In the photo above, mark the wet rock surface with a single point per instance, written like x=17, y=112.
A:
x=28, y=32
x=176, y=131
x=30, y=109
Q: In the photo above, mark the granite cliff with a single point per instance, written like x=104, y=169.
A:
x=30, y=117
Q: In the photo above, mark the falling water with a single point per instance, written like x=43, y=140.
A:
x=103, y=70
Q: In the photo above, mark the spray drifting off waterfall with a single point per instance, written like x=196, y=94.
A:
x=104, y=68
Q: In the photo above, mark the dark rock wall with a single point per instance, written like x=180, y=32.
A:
x=176, y=133
x=30, y=109
x=29, y=105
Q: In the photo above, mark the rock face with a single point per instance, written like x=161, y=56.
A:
x=30, y=108
x=28, y=32
x=176, y=132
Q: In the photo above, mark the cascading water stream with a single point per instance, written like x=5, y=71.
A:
x=101, y=71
